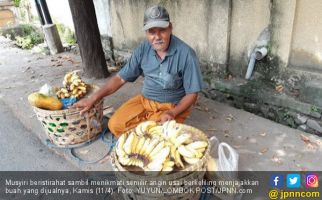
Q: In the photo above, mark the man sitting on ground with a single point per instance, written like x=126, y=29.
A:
x=172, y=77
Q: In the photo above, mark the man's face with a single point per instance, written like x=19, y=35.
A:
x=159, y=38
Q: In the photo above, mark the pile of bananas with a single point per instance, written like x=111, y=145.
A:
x=73, y=87
x=159, y=149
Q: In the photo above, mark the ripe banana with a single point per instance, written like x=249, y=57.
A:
x=139, y=145
x=128, y=144
x=181, y=139
x=145, y=145
x=185, y=152
x=157, y=148
x=178, y=160
x=198, y=144
x=143, y=127
x=191, y=161
x=162, y=154
x=168, y=163
x=152, y=144
x=166, y=170
x=73, y=86
x=134, y=143
x=212, y=164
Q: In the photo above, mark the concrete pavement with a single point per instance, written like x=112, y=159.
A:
x=22, y=151
x=261, y=143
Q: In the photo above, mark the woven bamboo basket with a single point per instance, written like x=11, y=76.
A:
x=67, y=127
x=184, y=176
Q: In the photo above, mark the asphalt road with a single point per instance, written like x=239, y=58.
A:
x=21, y=150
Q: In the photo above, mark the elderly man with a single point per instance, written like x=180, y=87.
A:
x=172, y=77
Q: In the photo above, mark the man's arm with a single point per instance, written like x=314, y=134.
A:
x=185, y=103
x=111, y=86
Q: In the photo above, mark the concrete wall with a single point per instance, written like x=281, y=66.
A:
x=103, y=17
x=225, y=31
x=249, y=18
x=7, y=16
x=202, y=24
x=306, y=51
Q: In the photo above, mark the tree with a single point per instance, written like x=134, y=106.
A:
x=88, y=38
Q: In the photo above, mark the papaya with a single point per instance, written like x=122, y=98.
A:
x=45, y=102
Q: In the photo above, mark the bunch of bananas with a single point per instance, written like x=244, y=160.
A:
x=146, y=153
x=158, y=149
x=73, y=87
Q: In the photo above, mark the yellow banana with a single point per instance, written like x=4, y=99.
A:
x=139, y=145
x=128, y=143
x=191, y=161
x=82, y=88
x=120, y=143
x=173, y=150
x=134, y=143
x=75, y=91
x=152, y=144
x=156, y=130
x=201, y=150
x=138, y=130
x=156, y=149
x=185, y=152
x=124, y=160
x=162, y=154
x=178, y=160
x=212, y=164
x=155, y=164
x=181, y=139
x=166, y=170
x=195, y=152
x=145, y=145
x=168, y=163
x=198, y=145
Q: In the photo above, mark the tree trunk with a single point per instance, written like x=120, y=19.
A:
x=88, y=38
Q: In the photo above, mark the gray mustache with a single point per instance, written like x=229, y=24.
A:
x=158, y=42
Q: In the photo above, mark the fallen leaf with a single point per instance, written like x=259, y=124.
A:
x=230, y=117
x=264, y=150
x=276, y=159
x=263, y=134
x=279, y=88
x=305, y=138
x=310, y=144
x=198, y=108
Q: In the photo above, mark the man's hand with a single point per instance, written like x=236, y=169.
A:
x=185, y=103
x=85, y=104
x=112, y=85
x=167, y=116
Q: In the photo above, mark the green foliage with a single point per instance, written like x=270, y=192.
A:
x=25, y=35
x=66, y=34
x=29, y=37
x=24, y=42
x=16, y=3
x=315, y=109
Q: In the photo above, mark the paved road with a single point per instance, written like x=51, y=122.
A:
x=22, y=151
